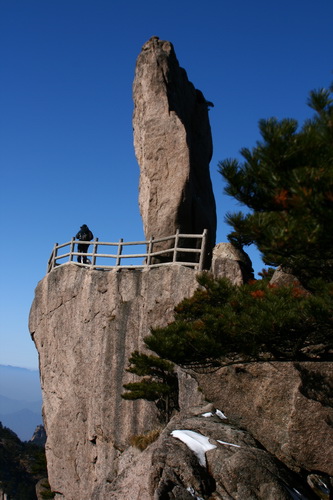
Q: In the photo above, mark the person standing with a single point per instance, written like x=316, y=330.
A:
x=83, y=235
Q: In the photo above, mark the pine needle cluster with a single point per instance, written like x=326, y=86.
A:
x=287, y=183
x=159, y=383
x=222, y=324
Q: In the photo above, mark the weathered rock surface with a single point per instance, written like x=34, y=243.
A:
x=238, y=468
x=85, y=325
x=282, y=278
x=288, y=407
x=232, y=263
x=173, y=146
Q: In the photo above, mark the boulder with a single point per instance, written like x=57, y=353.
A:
x=173, y=146
x=286, y=406
x=42, y=490
x=283, y=277
x=232, y=263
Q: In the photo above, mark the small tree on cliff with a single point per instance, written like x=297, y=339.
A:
x=159, y=383
x=287, y=183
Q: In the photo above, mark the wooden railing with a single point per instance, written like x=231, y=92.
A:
x=176, y=253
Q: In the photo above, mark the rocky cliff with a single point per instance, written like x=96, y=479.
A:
x=266, y=433
x=85, y=324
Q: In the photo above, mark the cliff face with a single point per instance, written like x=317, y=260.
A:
x=287, y=407
x=85, y=324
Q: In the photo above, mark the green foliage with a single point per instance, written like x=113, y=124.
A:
x=224, y=324
x=159, y=383
x=287, y=183
x=21, y=466
x=47, y=494
x=46, y=491
x=143, y=364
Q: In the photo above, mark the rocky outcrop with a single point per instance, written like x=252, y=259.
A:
x=85, y=325
x=235, y=467
x=173, y=146
x=288, y=407
x=232, y=263
x=39, y=436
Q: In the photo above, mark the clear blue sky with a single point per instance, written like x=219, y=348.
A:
x=66, y=145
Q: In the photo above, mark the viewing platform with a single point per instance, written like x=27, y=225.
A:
x=182, y=249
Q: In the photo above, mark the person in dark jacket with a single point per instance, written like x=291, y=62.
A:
x=83, y=235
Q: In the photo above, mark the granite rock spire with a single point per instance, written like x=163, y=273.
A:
x=173, y=146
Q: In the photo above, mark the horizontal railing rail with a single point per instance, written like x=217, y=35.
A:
x=175, y=253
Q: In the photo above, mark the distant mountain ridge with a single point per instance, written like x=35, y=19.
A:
x=8, y=405
x=19, y=383
x=20, y=400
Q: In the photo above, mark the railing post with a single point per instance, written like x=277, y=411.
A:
x=176, y=246
x=49, y=262
x=150, y=249
x=55, y=253
x=120, y=249
x=53, y=257
x=71, y=250
x=203, y=249
x=95, y=247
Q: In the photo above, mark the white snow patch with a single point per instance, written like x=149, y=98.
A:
x=218, y=413
x=198, y=443
x=228, y=444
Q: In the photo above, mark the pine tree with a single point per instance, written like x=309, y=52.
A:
x=287, y=183
x=223, y=324
x=159, y=383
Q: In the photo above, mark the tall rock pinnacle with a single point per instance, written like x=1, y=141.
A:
x=173, y=146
